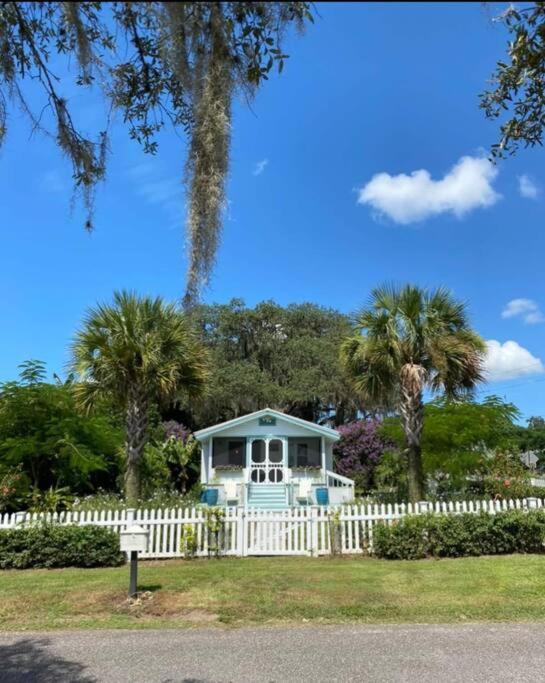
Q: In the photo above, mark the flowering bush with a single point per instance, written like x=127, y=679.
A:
x=506, y=477
x=359, y=450
x=11, y=483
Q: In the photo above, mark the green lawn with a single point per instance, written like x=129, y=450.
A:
x=290, y=590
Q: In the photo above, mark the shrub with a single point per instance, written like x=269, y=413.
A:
x=419, y=536
x=160, y=499
x=359, y=450
x=51, y=545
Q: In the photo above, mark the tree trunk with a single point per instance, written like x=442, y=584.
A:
x=412, y=419
x=136, y=425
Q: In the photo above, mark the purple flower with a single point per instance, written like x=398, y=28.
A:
x=177, y=430
x=359, y=450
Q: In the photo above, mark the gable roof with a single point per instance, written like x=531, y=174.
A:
x=331, y=434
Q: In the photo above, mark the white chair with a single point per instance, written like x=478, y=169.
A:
x=304, y=494
x=231, y=497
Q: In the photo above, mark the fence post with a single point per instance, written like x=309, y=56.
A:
x=425, y=506
x=314, y=531
x=129, y=518
x=532, y=503
x=241, y=531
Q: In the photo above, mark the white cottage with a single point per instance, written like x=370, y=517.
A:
x=271, y=460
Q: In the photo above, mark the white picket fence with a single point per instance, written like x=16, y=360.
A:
x=245, y=531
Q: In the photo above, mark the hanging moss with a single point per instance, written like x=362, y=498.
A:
x=157, y=62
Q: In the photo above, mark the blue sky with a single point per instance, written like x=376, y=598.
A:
x=369, y=93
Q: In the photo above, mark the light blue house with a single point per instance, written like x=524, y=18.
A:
x=271, y=460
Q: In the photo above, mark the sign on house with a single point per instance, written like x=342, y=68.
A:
x=267, y=421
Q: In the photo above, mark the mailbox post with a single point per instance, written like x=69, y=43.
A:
x=133, y=539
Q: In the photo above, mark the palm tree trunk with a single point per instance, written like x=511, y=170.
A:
x=412, y=418
x=136, y=425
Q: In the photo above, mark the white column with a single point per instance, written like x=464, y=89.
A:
x=322, y=446
x=204, y=461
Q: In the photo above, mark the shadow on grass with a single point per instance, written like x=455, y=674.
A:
x=149, y=587
x=29, y=659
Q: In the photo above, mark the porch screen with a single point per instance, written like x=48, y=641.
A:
x=304, y=452
x=228, y=452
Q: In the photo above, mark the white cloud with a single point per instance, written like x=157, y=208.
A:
x=411, y=198
x=260, y=167
x=526, y=309
x=527, y=187
x=509, y=360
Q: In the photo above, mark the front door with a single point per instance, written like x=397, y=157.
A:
x=267, y=461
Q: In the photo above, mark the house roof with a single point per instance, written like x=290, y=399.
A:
x=310, y=426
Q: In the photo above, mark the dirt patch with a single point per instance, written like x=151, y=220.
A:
x=166, y=604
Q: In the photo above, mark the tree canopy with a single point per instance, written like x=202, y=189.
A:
x=49, y=442
x=517, y=97
x=180, y=63
x=281, y=357
x=459, y=435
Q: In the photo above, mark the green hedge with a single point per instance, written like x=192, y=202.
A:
x=52, y=545
x=418, y=536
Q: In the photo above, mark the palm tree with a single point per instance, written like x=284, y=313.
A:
x=405, y=341
x=137, y=352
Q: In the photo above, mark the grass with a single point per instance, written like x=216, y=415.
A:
x=292, y=590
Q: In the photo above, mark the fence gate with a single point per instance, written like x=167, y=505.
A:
x=280, y=532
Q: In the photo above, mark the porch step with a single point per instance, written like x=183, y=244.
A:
x=268, y=496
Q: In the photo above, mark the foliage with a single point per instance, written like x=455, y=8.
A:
x=359, y=451
x=458, y=439
x=391, y=481
x=51, y=500
x=419, y=536
x=532, y=438
x=11, y=485
x=518, y=95
x=53, y=545
x=136, y=352
x=188, y=541
x=506, y=477
x=48, y=442
x=157, y=63
x=173, y=461
x=158, y=499
x=408, y=339
x=282, y=357
x=215, y=527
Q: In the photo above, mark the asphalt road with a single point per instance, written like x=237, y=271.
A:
x=347, y=653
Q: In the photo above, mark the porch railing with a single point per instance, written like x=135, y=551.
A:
x=337, y=480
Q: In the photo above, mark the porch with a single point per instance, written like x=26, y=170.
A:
x=271, y=460
x=294, y=489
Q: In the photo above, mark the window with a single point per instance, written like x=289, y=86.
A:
x=258, y=451
x=304, y=452
x=229, y=452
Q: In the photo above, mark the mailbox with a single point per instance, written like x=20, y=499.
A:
x=134, y=539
